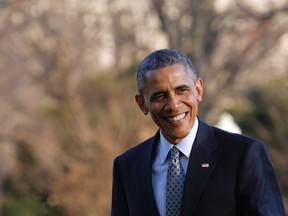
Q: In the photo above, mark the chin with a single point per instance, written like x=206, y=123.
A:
x=179, y=136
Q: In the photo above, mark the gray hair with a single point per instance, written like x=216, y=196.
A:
x=161, y=59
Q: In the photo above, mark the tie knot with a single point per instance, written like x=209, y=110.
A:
x=174, y=153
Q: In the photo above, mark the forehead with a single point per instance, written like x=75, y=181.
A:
x=175, y=74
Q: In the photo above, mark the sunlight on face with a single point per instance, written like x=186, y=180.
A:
x=171, y=97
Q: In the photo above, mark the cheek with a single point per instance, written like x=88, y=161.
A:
x=155, y=108
x=192, y=100
x=193, y=105
x=156, y=119
x=155, y=113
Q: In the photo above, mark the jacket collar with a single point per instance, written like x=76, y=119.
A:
x=202, y=162
x=144, y=172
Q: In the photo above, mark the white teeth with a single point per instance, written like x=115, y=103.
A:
x=177, y=118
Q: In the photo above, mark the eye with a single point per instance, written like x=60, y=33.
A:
x=158, y=96
x=183, y=89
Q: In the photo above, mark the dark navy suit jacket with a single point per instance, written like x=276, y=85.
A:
x=228, y=175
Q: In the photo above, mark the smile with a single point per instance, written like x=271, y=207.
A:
x=176, y=118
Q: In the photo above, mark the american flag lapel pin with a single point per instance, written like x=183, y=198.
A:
x=205, y=165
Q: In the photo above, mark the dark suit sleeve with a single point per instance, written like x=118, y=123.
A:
x=258, y=186
x=119, y=203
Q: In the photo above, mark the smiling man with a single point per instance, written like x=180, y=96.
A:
x=189, y=167
x=171, y=96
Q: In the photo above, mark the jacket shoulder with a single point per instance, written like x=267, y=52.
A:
x=239, y=143
x=139, y=150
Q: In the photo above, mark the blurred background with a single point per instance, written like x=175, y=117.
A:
x=67, y=86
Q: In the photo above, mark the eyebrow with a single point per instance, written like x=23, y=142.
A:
x=182, y=86
x=155, y=94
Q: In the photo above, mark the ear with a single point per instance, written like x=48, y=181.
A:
x=199, y=89
x=141, y=103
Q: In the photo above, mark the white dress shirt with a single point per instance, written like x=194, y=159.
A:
x=160, y=164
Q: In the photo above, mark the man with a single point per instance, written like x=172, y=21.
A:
x=224, y=174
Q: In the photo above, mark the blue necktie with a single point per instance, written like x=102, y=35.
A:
x=175, y=184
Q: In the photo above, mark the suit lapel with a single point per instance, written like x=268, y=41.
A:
x=144, y=175
x=202, y=161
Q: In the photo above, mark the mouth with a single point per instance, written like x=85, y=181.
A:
x=176, y=118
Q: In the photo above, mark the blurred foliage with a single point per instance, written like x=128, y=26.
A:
x=25, y=202
x=67, y=86
x=264, y=116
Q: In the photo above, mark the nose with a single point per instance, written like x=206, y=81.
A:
x=173, y=102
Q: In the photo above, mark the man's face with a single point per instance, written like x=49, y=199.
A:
x=171, y=97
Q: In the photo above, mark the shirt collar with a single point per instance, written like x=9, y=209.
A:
x=185, y=145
